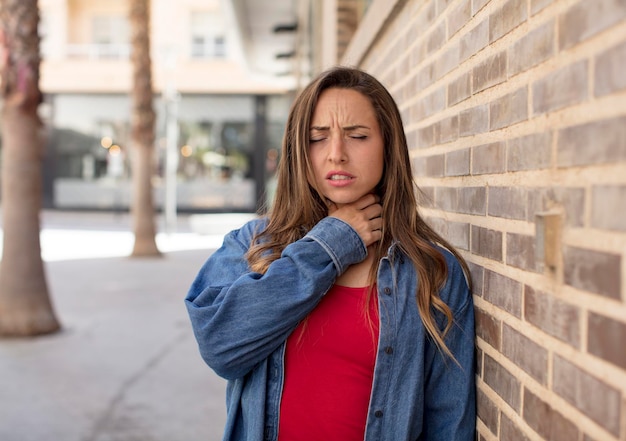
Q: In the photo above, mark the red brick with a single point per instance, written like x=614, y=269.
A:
x=488, y=328
x=446, y=198
x=411, y=139
x=475, y=40
x=436, y=39
x=487, y=411
x=587, y=18
x=468, y=200
x=472, y=200
x=477, y=5
x=426, y=196
x=503, y=292
x=426, y=76
x=571, y=199
x=509, y=109
x=507, y=202
x=489, y=158
x=565, y=87
x=479, y=362
x=458, y=163
x=477, y=273
x=486, y=243
x=597, y=142
x=607, y=339
x=553, y=316
x=423, y=20
x=447, y=130
x=502, y=382
x=490, y=72
x=418, y=165
x=520, y=252
x=509, y=431
x=594, y=271
x=531, y=152
x=442, y=5
x=474, y=121
x=459, y=89
x=532, y=49
x=508, y=17
x=429, y=105
x=418, y=53
x=607, y=212
x=435, y=165
x=457, y=233
x=525, y=353
x=610, y=77
x=448, y=61
x=426, y=136
x=592, y=396
x=459, y=17
x=405, y=114
x=546, y=421
x=538, y=5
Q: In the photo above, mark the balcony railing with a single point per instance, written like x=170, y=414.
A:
x=213, y=49
x=98, y=51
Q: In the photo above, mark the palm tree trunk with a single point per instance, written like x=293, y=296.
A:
x=142, y=132
x=25, y=306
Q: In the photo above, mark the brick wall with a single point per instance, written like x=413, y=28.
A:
x=348, y=15
x=515, y=112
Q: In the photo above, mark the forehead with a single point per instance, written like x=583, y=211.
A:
x=343, y=103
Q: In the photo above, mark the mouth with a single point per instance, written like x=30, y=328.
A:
x=339, y=176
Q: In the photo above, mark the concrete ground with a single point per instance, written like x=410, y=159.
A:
x=125, y=366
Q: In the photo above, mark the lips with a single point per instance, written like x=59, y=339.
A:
x=339, y=176
x=339, y=179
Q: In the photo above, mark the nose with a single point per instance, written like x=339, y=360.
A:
x=337, y=150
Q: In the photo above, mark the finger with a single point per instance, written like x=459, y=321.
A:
x=372, y=237
x=373, y=211
x=376, y=224
x=366, y=201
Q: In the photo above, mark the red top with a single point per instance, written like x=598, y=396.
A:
x=329, y=369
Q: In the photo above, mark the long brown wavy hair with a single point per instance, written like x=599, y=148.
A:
x=298, y=205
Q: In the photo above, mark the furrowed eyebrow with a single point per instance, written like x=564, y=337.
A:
x=347, y=128
x=355, y=127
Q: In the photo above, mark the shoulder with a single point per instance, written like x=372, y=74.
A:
x=247, y=231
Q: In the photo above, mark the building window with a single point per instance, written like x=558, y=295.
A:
x=110, y=36
x=207, y=35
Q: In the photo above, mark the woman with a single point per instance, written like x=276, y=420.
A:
x=314, y=314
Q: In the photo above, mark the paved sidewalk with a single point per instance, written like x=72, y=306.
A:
x=125, y=367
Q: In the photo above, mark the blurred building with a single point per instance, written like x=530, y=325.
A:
x=227, y=102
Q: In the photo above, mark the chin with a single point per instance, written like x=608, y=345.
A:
x=343, y=200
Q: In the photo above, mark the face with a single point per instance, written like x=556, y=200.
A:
x=346, y=146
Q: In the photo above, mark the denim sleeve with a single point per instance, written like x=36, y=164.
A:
x=450, y=389
x=240, y=317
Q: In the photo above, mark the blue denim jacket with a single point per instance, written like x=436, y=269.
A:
x=242, y=319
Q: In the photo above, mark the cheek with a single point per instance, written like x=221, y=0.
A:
x=317, y=164
x=378, y=164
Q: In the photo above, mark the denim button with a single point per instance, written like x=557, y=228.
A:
x=387, y=290
x=389, y=350
x=378, y=413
